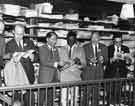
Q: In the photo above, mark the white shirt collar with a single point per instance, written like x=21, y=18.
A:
x=75, y=45
x=21, y=42
x=93, y=45
x=116, y=47
x=51, y=48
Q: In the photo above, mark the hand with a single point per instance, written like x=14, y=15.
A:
x=94, y=60
x=101, y=59
x=61, y=63
x=31, y=56
x=17, y=56
x=112, y=59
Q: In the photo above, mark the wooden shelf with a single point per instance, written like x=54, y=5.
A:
x=82, y=29
x=52, y=20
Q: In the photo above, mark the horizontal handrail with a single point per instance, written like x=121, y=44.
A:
x=63, y=84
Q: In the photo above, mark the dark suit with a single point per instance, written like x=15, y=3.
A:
x=12, y=47
x=93, y=72
x=47, y=72
x=116, y=69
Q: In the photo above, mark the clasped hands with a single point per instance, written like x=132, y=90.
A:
x=95, y=60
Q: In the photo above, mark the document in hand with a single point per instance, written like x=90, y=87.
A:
x=23, y=54
x=28, y=53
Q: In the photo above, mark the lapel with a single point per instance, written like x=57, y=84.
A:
x=91, y=53
x=25, y=44
x=122, y=49
x=52, y=54
x=113, y=49
x=66, y=52
x=74, y=52
x=17, y=48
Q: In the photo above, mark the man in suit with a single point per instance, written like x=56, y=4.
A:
x=73, y=55
x=117, y=67
x=20, y=44
x=49, y=60
x=96, y=57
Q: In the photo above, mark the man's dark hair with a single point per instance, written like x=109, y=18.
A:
x=50, y=34
x=71, y=33
x=117, y=35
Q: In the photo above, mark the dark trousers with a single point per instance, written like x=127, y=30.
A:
x=27, y=99
x=90, y=94
x=46, y=97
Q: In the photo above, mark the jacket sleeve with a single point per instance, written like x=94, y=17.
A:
x=7, y=48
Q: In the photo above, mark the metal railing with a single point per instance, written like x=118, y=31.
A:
x=81, y=93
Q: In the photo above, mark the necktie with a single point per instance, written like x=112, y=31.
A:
x=69, y=54
x=95, y=50
x=19, y=44
x=52, y=51
x=118, y=50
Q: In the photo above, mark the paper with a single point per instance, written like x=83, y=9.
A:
x=18, y=55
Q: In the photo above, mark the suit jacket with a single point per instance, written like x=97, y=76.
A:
x=94, y=72
x=47, y=71
x=12, y=47
x=112, y=67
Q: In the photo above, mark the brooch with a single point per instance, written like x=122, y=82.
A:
x=25, y=44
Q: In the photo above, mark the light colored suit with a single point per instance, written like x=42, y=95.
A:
x=77, y=52
x=72, y=73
